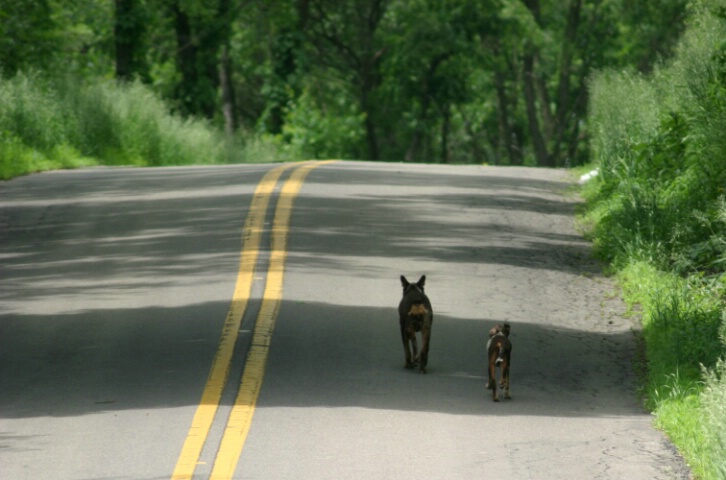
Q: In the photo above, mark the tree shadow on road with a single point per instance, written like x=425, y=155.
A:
x=322, y=355
x=81, y=358
x=336, y=356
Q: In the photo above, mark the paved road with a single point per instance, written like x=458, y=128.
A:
x=115, y=287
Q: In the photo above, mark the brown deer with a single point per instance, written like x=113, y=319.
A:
x=415, y=315
x=499, y=350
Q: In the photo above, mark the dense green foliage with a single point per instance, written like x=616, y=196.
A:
x=659, y=215
x=62, y=123
x=495, y=81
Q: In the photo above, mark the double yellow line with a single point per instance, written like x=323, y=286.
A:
x=240, y=418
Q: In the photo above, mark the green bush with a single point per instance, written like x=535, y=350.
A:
x=658, y=215
x=65, y=123
x=661, y=146
x=31, y=111
x=310, y=132
x=682, y=330
x=713, y=412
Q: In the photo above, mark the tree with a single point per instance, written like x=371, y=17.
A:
x=28, y=34
x=129, y=29
x=343, y=35
x=202, y=31
x=286, y=55
x=431, y=60
x=552, y=58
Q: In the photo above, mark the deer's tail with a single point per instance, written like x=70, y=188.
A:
x=502, y=352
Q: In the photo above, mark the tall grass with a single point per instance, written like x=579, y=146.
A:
x=681, y=319
x=659, y=217
x=65, y=123
x=714, y=412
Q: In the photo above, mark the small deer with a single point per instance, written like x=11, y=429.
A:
x=416, y=315
x=499, y=350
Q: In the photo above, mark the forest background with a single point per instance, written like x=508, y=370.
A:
x=636, y=89
x=502, y=82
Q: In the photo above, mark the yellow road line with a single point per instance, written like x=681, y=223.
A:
x=204, y=416
x=240, y=419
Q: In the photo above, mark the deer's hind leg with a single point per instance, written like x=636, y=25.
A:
x=505, y=379
x=408, y=336
x=424, y=356
x=414, y=348
x=405, y=338
x=492, y=383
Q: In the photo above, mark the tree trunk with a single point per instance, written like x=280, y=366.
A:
x=506, y=138
x=478, y=152
x=445, y=128
x=530, y=98
x=529, y=85
x=200, y=42
x=414, y=150
x=371, y=135
x=548, y=119
x=228, y=98
x=564, y=108
x=127, y=31
x=186, y=59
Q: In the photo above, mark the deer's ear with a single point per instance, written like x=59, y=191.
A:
x=404, y=282
x=421, y=281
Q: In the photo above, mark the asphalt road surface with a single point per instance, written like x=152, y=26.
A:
x=136, y=341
